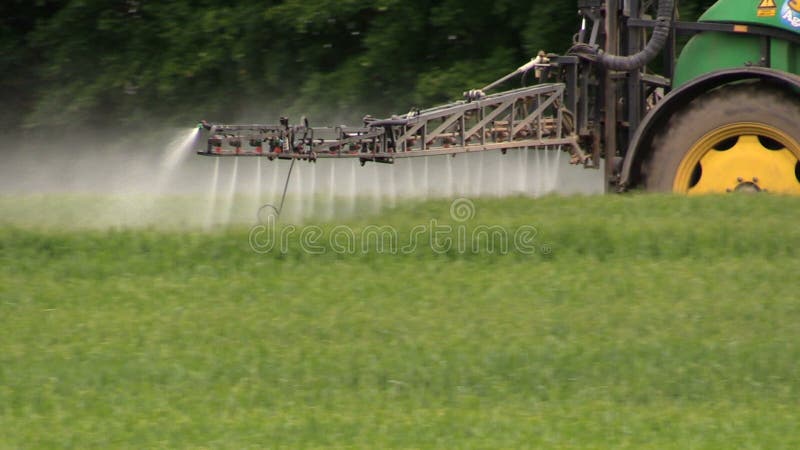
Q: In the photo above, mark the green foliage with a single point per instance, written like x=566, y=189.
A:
x=657, y=323
x=125, y=62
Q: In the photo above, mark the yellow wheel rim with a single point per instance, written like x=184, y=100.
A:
x=740, y=157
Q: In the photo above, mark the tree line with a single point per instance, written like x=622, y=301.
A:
x=109, y=63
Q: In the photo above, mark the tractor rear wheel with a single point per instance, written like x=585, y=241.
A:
x=738, y=138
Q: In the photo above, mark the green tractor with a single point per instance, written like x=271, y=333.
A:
x=728, y=122
x=688, y=107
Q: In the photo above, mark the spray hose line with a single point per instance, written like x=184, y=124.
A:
x=279, y=208
x=638, y=60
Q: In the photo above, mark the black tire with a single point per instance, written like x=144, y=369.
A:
x=729, y=104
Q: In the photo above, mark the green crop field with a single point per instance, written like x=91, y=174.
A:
x=642, y=322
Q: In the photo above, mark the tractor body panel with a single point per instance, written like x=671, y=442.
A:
x=709, y=51
x=772, y=13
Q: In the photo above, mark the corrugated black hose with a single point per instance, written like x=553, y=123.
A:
x=636, y=61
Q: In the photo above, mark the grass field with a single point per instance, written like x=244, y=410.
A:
x=653, y=323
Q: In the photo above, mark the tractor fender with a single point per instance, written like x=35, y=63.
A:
x=639, y=147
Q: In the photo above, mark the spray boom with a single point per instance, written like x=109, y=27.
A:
x=529, y=117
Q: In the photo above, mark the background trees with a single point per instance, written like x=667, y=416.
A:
x=129, y=62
